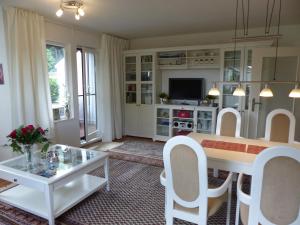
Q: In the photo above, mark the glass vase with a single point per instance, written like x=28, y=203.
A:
x=27, y=149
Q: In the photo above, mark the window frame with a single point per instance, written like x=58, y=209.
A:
x=68, y=76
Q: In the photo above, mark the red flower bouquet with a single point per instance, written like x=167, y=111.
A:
x=28, y=135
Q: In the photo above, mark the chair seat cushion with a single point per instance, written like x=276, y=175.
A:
x=214, y=205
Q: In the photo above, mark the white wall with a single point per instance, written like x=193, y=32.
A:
x=291, y=37
x=67, y=131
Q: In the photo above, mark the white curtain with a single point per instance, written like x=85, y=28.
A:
x=27, y=65
x=110, y=87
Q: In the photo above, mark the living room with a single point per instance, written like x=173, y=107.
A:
x=113, y=83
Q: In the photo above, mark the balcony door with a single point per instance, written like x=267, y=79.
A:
x=86, y=78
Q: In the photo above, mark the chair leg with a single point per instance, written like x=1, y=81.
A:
x=169, y=220
x=235, y=176
x=237, y=212
x=216, y=173
x=229, y=204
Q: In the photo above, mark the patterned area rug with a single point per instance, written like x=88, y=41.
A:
x=139, y=150
x=136, y=198
x=105, y=146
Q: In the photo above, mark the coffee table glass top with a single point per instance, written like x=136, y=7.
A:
x=59, y=160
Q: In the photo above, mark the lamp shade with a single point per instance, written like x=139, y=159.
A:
x=295, y=93
x=266, y=92
x=239, y=91
x=214, y=91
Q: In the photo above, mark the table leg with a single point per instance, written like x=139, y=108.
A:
x=50, y=204
x=229, y=203
x=106, y=171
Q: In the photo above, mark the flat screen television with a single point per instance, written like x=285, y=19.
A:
x=186, y=88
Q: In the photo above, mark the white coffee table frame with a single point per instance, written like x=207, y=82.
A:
x=51, y=197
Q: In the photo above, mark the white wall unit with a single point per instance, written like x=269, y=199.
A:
x=139, y=80
x=172, y=120
x=189, y=59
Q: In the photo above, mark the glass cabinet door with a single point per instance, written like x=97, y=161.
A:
x=146, y=67
x=130, y=79
x=130, y=64
x=162, y=121
x=204, y=122
x=146, y=94
x=232, y=72
x=131, y=93
x=146, y=79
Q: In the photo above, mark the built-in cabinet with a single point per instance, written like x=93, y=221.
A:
x=143, y=82
x=173, y=120
x=139, y=94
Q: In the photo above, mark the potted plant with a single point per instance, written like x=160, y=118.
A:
x=163, y=98
x=23, y=138
x=210, y=99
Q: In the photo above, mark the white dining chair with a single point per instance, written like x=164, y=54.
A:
x=228, y=124
x=188, y=196
x=280, y=126
x=275, y=192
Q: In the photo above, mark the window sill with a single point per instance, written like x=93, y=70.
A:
x=62, y=120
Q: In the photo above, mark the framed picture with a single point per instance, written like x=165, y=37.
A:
x=1, y=74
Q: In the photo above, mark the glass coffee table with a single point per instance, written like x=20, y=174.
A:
x=52, y=185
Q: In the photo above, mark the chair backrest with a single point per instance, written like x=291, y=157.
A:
x=280, y=126
x=275, y=189
x=229, y=123
x=185, y=165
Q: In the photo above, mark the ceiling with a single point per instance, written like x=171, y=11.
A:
x=147, y=18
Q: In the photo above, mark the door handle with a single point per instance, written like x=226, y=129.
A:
x=255, y=103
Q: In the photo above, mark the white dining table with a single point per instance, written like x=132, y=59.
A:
x=232, y=160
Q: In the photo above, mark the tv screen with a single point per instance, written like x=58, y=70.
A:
x=186, y=88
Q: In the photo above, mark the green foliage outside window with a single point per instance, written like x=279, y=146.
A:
x=54, y=90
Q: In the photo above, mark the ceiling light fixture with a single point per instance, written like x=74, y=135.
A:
x=295, y=93
x=214, y=91
x=71, y=5
x=266, y=92
x=239, y=91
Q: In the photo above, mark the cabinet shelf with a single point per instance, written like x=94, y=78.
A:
x=199, y=117
x=181, y=118
x=202, y=130
x=162, y=125
x=205, y=119
x=179, y=128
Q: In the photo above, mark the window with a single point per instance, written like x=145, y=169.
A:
x=58, y=83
